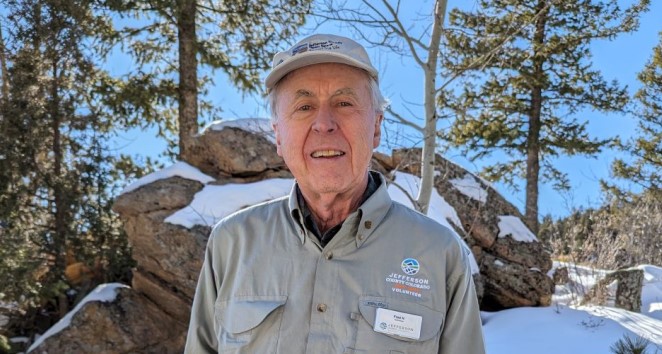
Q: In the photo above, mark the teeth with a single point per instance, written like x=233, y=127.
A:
x=327, y=153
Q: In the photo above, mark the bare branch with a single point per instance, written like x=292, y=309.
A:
x=404, y=120
x=402, y=32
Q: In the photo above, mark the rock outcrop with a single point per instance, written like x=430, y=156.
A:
x=129, y=324
x=236, y=150
x=513, y=267
x=621, y=288
x=512, y=263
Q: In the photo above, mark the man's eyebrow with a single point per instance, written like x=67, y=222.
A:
x=345, y=91
x=303, y=93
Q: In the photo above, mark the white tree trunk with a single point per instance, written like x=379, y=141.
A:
x=430, y=130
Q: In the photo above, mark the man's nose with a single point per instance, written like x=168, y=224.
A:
x=325, y=121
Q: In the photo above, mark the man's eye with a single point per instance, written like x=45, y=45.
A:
x=345, y=104
x=305, y=107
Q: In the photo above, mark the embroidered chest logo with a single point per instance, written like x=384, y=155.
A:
x=408, y=284
x=410, y=266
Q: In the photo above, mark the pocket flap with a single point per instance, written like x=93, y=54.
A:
x=242, y=314
x=432, y=319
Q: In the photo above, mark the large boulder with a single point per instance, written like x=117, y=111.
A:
x=124, y=323
x=169, y=256
x=513, y=264
x=236, y=149
x=167, y=225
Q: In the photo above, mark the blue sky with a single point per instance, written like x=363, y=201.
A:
x=401, y=82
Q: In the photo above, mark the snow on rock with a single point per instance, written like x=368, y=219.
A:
x=439, y=210
x=513, y=226
x=470, y=187
x=651, y=293
x=103, y=293
x=181, y=169
x=213, y=203
x=261, y=126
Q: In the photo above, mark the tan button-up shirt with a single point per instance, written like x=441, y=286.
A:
x=267, y=286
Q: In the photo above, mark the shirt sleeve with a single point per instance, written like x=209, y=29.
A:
x=462, y=331
x=201, y=336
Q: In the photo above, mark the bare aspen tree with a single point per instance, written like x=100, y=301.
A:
x=423, y=49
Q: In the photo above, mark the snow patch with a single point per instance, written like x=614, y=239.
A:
x=405, y=186
x=213, y=203
x=564, y=330
x=260, y=126
x=181, y=169
x=205, y=209
x=513, y=226
x=470, y=187
x=498, y=263
x=581, y=279
x=103, y=293
x=651, y=293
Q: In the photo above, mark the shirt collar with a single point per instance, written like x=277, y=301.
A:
x=372, y=211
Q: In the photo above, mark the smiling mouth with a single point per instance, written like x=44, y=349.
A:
x=327, y=153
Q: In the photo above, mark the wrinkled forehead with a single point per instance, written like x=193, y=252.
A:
x=337, y=76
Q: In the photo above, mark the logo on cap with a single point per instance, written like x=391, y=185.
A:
x=300, y=49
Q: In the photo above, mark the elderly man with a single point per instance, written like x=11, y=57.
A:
x=335, y=267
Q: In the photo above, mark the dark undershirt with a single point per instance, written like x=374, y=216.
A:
x=310, y=222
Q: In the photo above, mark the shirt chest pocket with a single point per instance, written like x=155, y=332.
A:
x=249, y=324
x=370, y=341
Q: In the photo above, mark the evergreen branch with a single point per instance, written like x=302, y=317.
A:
x=487, y=57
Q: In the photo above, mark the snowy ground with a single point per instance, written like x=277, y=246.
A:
x=570, y=329
x=564, y=327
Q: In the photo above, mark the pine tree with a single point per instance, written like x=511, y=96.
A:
x=528, y=100
x=55, y=172
x=177, y=38
x=646, y=169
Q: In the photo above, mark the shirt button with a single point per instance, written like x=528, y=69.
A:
x=360, y=236
x=329, y=256
x=321, y=308
x=368, y=224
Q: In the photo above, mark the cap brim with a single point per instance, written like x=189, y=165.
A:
x=311, y=58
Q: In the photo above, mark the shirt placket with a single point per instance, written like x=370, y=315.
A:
x=326, y=299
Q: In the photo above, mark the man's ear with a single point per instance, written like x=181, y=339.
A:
x=378, y=130
x=274, y=126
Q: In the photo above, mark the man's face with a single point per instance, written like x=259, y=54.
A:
x=326, y=127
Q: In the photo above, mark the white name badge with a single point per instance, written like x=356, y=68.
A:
x=398, y=323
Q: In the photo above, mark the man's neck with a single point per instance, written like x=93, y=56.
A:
x=331, y=209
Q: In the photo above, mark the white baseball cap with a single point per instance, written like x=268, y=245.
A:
x=317, y=49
